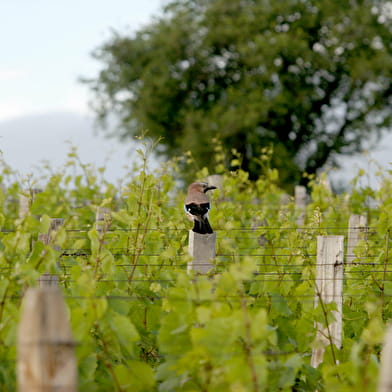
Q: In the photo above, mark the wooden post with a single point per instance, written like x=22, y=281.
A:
x=46, y=359
x=102, y=219
x=329, y=288
x=385, y=375
x=47, y=238
x=216, y=180
x=357, y=227
x=26, y=200
x=202, y=248
x=46, y=279
x=301, y=199
x=327, y=184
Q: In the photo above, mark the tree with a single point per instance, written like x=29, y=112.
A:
x=311, y=78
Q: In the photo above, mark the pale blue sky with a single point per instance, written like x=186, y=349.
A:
x=46, y=45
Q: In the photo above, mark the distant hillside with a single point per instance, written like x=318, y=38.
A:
x=27, y=141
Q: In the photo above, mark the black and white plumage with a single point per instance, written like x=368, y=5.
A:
x=197, y=206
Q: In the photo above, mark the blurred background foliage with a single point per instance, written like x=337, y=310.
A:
x=311, y=78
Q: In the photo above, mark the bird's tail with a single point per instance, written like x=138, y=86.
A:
x=202, y=226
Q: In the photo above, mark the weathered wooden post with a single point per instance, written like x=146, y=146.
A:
x=48, y=237
x=329, y=288
x=327, y=184
x=24, y=206
x=47, y=279
x=46, y=359
x=385, y=375
x=300, y=198
x=357, y=228
x=216, y=180
x=26, y=200
x=202, y=248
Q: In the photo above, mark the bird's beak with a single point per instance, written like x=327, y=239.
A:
x=210, y=188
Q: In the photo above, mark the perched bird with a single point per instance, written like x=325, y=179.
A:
x=197, y=206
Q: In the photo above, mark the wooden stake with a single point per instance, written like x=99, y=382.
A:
x=46, y=360
x=48, y=237
x=357, y=228
x=329, y=288
x=50, y=280
x=216, y=180
x=26, y=200
x=301, y=199
x=202, y=248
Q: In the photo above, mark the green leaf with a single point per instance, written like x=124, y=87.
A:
x=44, y=224
x=124, y=329
x=135, y=376
x=374, y=332
x=94, y=241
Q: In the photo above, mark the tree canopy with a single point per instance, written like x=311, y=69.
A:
x=312, y=78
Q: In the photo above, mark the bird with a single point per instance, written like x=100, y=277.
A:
x=197, y=206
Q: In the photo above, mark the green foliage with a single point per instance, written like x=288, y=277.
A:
x=143, y=323
x=313, y=78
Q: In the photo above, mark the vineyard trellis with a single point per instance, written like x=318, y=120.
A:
x=256, y=249
x=144, y=320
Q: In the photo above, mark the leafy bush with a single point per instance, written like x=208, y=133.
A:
x=143, y=323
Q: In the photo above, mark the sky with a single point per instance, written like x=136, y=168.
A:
x=46, y=47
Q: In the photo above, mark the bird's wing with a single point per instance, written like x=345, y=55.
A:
x=197, y=209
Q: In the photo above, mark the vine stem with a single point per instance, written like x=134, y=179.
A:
x=385, y=273
x=2, y=303
x=248, y=345
x=107, y=355
x=102, y=237
x=138, y=250
x=329, y=334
